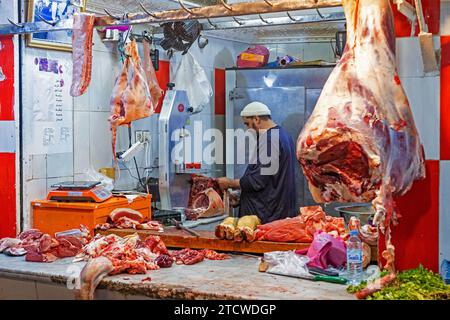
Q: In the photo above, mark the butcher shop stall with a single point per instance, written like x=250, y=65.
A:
x=225, y=149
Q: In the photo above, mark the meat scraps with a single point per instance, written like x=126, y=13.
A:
x=367, y=233
x=188, y=256
x=112, y=255
x=204, y=198
x=301, y=228
x=126, y=218
x=41, y=247
x=131, y=98
x=83, y=31
x=361, y=143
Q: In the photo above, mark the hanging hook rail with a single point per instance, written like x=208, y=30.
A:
x=226, y=5
x=111, y=15
x=237, y=21
x=52, y=23
x=263, y=20
x=211, y=24
x=150, y=14
x=185, y=8
x=219, y=10
x=16, y=24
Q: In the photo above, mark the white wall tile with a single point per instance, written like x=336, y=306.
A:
x=81, y=103
x=39, y=166
x=409, y=57
x=444, y=211
x=33, y=190
x=100, y=140
x=445, y=18
x=104, y=73
x=59, y=165
x=99, y=45
x=424, y=98
x=81, y=144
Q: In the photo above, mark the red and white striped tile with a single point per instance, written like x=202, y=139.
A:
x=8, y=140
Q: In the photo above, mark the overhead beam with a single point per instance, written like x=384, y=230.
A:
x=219, y=11
x=209, y=12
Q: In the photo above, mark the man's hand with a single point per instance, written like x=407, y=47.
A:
x=225, y=183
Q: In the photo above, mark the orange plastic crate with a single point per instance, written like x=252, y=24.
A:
x=52, y=216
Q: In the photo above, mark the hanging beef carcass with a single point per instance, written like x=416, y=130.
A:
x=83, y=31
x=131, y=98
x=360, y=143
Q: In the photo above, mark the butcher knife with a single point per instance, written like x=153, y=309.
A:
x=331, y=279
x=179, y=225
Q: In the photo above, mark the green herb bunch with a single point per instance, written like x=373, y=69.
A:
x=414, y=284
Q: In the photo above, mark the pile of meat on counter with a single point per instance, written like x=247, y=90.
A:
x=126, y=218
x=129, y=254
x=297, y=229
x=37, y=246
x=111, y=254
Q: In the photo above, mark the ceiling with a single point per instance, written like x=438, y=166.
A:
x=318, y=31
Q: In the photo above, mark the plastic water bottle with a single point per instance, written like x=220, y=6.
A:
x=354, y=258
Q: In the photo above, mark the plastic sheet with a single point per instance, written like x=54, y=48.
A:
x=191, y=77
x=325, y=251
x=287, y=263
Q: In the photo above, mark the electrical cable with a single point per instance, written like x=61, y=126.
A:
x=134, y=158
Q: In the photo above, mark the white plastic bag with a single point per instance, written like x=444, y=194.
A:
x=105, y=181
x=286, y=263
x=191, y=77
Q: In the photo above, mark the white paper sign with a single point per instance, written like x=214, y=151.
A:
x=51, y=105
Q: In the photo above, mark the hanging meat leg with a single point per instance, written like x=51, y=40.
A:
x=360, y=143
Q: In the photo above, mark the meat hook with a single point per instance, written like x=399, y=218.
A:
x=52, y=23
x=291, y=17
x=148, y=12
x=147, y=37
x=16, y=24
x=185, y=8
x=226, y=5
x=320, y=14
x=265, y=21
x=111, y=15
x=237, y=21
x=212, y=24
x=269, y=3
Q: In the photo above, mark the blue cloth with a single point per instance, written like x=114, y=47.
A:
x=46, y=13
x=270, y=197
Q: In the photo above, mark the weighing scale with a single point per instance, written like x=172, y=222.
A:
x=79, y=191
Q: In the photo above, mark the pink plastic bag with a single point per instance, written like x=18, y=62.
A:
x=325, y=251
x=254, y=57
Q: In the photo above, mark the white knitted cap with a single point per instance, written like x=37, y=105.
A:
x=255, y=109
